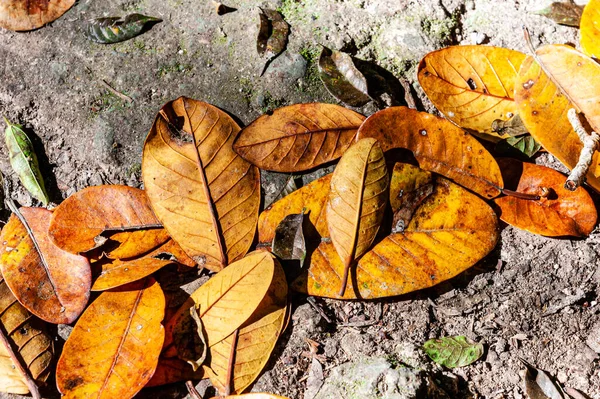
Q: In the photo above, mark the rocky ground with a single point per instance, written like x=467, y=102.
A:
x=533, y=298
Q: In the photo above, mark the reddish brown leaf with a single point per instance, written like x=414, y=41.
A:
x=22, y=15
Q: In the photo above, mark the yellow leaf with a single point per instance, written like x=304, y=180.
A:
x=590, y=29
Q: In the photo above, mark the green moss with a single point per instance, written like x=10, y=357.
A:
x=440, y=29
x=271, y=103
x=172, y=68
x=107, y=102
x=134, y=169
x=296, y=10
x=247, y=89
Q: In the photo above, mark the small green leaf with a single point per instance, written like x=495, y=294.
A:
x=524, y=144
x=453, y=352
x=24, y=161
x=114, y=29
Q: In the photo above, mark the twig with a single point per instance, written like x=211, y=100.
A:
x=33, y=389
x=516, y=194
x=117, y=93
x=408, y=96
x=590, y=145
x=231, y=363
x=314, y=304
x=192, y=390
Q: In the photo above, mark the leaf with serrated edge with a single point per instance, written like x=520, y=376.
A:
x=205, y=194
x=113, y=350
x=543, y=109
x=472, y=85
x=255, y=341
x=450, y=232
x=453, y=352
x=78, y=222
x=590, y=29
x=28, y=338
x=229, y=298
x=298, y=137
x=562, y=213
x=438, y=145
x=22, y=15
x=51, y=283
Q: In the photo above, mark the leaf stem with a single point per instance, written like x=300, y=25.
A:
x=231, y=364
x=516, y=194
x=192, y=390
x=33, y=389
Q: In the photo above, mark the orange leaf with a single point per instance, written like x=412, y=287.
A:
x=298, y=137
x=253, y=396
x=130, y=244
x=51, y=283
x=205, y=194
x=438, y=146
x=472, y=85
x=77, y=223
x=170, y=370
x=451, y=231
x=23, y=15
x=590, y=29
x=113, y=350
x=543, y=110
x=562, y=213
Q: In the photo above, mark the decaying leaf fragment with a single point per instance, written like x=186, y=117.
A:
x=564, y=13
x=525, y=144
x=357, y=201
x=23, y=15
x=298, y=137
x=538, y=384
x=24, y=161
x=205, y=194
x=472, y=85
x=115, y=29
x=28, y=337
x=342, y=79
x=254, y=396
x=189, y=339
x=121, y=335
x=452, y=352
x=273, y=34
x=51, y=283
x=590, y=29
x=409, y=187
x=288, y=243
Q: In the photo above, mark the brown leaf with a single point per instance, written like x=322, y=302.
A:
x=357, y=201
x=113, y=350
x=438, y=145
x=342, y=79
x=51, y=283
x=298, y=137
x=409, y=187
x=78, y=223
x=205, y=194
x=451, y=231
x=590, y=29
x=472, y=85
x=272, y=35
x=564, y=13
x=29, y=340
x=170, y=370
x=22, y=15
x=131, y=244
x=190, y=340
x=561, y=213
x=289, y=243
x=254, y=396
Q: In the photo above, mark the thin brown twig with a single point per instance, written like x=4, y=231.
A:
x=516, y=194
x=192, y=390
x=33, y=389
x=231, y=364
x=117, y=93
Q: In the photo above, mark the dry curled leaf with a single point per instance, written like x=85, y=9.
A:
x=78, y=223
x=561, y=213
x=289, y=242
x=438, y=145
x=564, y=13
x=115, y=29
x=190, y=340
x=254, y=396
x=543, y=109
x=298, y=137
x=121, y=335
x=450, y=232
x=204, y=193
x=51, y=283
x=228, y=299
x=273, y=34
x=472, y=85
x=342, y=79
x=538, y=384
x=590, y=29
x=525, y=145
x=29, y=340
x=23, y=15
x=357, y=201
x=254, y=341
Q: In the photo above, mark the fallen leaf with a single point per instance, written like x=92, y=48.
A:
x=450, y=232
x=342, y=79
x=28, y=337
x=563, y=13
x=561, y=213
x=51, y=283
x=22, y=15
x=543, y=109
x=24, y=161
x=78, y=223
x=288, y=243
x=298, y=137
x=512, y=127
x=289, y=187
x=121, y=335
x=453, y=352
x=438, y=145
x=472, y=85
x=409, y=187
x=116, y=29
x=590, y=29
x=171, y=370
x=273, y=35
x=538, y=384
x=253, y=396
x=254, y=343
x=357, y=201
x=229, y=298
x=129, y=244
x=206, y=195
x=312, y=198
x=526, y=145
x=190, y=340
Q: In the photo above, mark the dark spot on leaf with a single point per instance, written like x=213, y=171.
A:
x=73, y=383
x=527, y=85
x=472, y=84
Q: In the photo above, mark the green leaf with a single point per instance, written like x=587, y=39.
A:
x=342, y=79
x=114, y=29
x=452, y=352
x=524, y=144
x=24, y=161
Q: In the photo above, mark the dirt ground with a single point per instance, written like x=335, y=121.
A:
x=533, y=297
